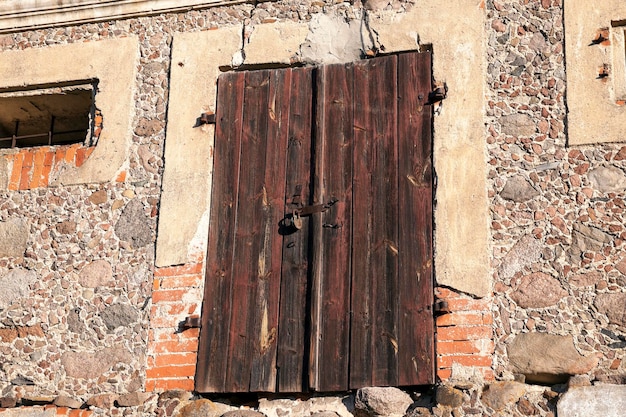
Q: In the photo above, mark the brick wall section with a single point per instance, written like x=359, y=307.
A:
x=31, y=167
x=172, y=351
x=465, y=334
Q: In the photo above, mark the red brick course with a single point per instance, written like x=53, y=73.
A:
x=464, y=334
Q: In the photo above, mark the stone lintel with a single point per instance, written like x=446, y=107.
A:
x=21, y=15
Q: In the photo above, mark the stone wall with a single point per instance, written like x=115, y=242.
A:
x=88, y=325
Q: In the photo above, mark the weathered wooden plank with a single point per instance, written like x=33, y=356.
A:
x=292, y=355
x=415, y=293
x=250, y=236
x=218, y=295
x=330, y=314
x=374, y=343
x=276, y=112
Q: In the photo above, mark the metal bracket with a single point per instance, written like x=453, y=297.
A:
x=192, y=322
x=440, y=308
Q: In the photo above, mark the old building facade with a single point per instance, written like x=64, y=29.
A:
x=104, y=238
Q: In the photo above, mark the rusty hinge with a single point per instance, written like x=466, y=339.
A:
x=440, y=308
x=192, y=322
x=206, y=118
x=438, y=94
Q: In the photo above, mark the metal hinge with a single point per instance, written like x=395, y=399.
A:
x=192, y=322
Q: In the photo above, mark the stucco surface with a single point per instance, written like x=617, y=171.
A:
x=593, y=114
x=113, y=63
x=455, y=33
x=188, y=149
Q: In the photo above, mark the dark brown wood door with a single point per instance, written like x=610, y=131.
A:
x=344, y=301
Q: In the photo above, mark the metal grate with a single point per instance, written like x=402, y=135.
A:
x=47, y=137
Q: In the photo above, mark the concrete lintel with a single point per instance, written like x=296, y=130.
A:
x=21, y=15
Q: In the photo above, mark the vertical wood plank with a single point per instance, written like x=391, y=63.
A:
x=415, y=293
x=330, y=316
x=374, y=339
x=294, y=284
x=276, y=112
x=250, y=237
x=218, y=295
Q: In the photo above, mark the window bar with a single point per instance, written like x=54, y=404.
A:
x=50, y=132
x=14, y=140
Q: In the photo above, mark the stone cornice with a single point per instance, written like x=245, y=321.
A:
x=19, y=15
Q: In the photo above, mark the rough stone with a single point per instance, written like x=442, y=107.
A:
x=203, y=408
x=527, y=408
x=66, y=228
x=538, y=290
x=587, y=238
x=98, y=197
x=518, y=125
x=22, y=380
x=518, y=189
x=243, y=413
x=8, y=334
x=585, y=279
x=8, y=402
x=175, y=394
x=579, y=381
x=449, y=396
x=15, y=285
x=614, y=306
x=132, y=399
x=524, y=253
x=32, y=399
x=599, y=400
x=30, y=331
x=148, y=127
x=325, y=414
x=118, y=315
x=381, y=401
x=546, y=358
x=102, y=400
x=278, y=407
x=65, y=401
x=608, y=179
x=96, y=274
x=74, y=323
x=30, y=412
x=133, y=225
x=13, y=238
x=89, y=365
x=500, y=394
x=621, y=266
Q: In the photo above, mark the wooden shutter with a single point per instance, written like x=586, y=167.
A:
x=345, y=302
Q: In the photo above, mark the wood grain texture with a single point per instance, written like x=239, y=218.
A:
x=218, y=290
x=330, y=315
x=292, y=336
x=374, y=339
x=346, y=301
x=415, y=294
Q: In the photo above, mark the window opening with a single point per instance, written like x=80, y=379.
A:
x=49, y=115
